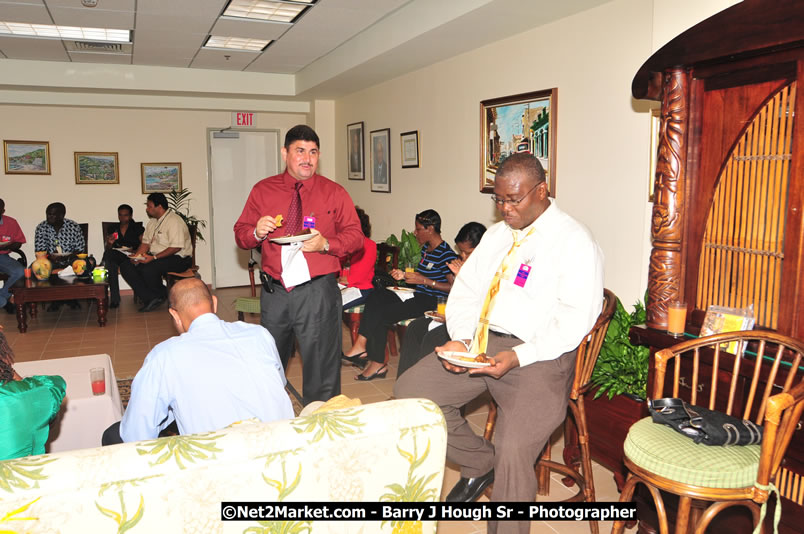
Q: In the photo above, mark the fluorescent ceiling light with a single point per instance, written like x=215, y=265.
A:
x=276, y=11
x=64, y=32
x=236, y=43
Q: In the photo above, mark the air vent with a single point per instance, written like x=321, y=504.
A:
x=98, y=47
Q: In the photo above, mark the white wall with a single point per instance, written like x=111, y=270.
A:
x=603, y=134
x=138, y=136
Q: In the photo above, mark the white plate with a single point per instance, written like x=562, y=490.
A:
x=434, y=316
x=396, y=289
x=453, y=357
x=291, y=239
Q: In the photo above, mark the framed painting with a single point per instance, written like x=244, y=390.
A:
x=410, y=149
x=160, y=177
x=96, y=168
x=381, y=160
x=518, y=123
x=27, y=157
x=357, y=159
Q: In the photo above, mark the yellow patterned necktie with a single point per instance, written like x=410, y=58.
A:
x=481, y=340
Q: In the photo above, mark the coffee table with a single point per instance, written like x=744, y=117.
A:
x=54, y=288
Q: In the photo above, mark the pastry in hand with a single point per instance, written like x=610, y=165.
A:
x=278, y=220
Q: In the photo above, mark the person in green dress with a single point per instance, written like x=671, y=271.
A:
x=27, y=406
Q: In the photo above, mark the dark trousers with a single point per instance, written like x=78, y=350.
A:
x=111, y=436
x=146, y=278
x=532, y=402
x=311, y=314
x=383, y=309
x=419, y=342
x=112, y=260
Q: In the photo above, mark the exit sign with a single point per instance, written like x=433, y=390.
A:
x=243, y=119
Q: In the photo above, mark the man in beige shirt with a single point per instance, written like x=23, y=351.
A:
x=166, y=247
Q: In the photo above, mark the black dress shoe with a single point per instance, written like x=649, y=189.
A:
x=113, y=305
x=152, y=305
x=356, y=360
x=10, y=308
x=469, y=489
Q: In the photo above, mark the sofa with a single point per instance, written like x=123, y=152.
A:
x=387, y=451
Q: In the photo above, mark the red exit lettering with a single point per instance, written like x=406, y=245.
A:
x=245, y=119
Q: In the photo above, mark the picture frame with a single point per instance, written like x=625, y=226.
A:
x=96, y=168
x=26, y=157
x=409, y=149
x=518, y=123
x=381, y=160
x=655, y=129
x=160, y=177
x=356, y=158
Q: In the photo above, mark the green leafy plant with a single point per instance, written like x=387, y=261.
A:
x=179, y=201
x=622, y=368
x=410, y=252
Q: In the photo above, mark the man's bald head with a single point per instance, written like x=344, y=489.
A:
x=188, y=299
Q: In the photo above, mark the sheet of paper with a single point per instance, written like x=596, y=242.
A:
x=349, y=294
x=294, y=265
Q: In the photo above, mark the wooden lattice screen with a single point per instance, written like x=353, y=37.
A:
x=742, y=255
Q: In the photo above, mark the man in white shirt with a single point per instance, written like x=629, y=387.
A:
x=212, y=375
x=547, y=272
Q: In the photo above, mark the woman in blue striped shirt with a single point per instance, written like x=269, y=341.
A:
x=431, y=279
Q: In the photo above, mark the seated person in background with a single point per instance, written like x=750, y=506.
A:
x=11, y=238
x=212, y=375
x=357, y=270
x=27, y=406
x=420, y=337
x=166, y=247
x=432, y=279
x=61, y=237
x=125, y=234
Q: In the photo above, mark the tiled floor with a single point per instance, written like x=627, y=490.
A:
x=129, y=336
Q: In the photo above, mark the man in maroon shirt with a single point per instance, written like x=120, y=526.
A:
x=293, y=305
x=11, y=238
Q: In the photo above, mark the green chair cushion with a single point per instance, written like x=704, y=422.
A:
x=247, y=304
x=355, y=309
x=663, y=451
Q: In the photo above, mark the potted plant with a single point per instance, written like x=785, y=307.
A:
x=410, y=252
x=179, y=201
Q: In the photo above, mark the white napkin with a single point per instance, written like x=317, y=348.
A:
x=67, y=272
x=433, y=324
x=294, y=265
x=349, y=294
x=403, y=295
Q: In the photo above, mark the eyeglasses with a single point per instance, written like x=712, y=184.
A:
x=502, y=201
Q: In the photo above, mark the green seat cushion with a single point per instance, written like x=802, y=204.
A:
x=663, y=451
x=247, y=304
x=355, y=309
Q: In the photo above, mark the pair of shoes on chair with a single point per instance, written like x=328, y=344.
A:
x=152, y=304
x=356, y=360
x=382, y=372
x=469, y=489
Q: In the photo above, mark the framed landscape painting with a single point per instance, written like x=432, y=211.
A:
x=96, y=168
x=27, y=157
x=160, y=177
x=354, y=134
x=518, y=123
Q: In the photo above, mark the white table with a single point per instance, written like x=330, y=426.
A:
x=81, y=422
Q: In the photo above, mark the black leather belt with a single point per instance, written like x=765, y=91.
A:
x=269, y=281
x=501, y=334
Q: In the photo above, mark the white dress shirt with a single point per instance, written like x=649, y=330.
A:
x=213, y=375
x=561, y=298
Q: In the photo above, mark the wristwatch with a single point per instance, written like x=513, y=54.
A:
x=326, y=246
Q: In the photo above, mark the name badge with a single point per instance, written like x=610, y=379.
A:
x=430, y=265
x=522, y=275
x=309, y=222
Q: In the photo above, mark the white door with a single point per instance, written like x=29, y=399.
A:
x=238, y=160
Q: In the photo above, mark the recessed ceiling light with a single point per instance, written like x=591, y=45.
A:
x=64, y=32
x=273, y=10
x=236, y=43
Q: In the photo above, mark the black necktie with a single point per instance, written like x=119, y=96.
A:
x=294, y=224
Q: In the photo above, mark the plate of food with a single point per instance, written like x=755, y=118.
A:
x=397, y=289
x=465, y=359
x=292, y=238
x=435, y=316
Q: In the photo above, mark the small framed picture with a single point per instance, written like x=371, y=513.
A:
x=354, y=136
x=160, y=177
x=410, y=149
x=96, y=168
x=27, y=157
x=380, y=160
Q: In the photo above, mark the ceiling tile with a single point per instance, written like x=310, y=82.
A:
x=93, y=18
x=33, y=13
x=216, y=59
x=168, y=23
x=206, y=8
x=90, y=57
x=31, y=48
x=114, y=5
x=255, y=29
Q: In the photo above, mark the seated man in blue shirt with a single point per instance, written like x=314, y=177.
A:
x=212, y=375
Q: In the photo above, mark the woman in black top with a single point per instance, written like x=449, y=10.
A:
x=126, y=234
